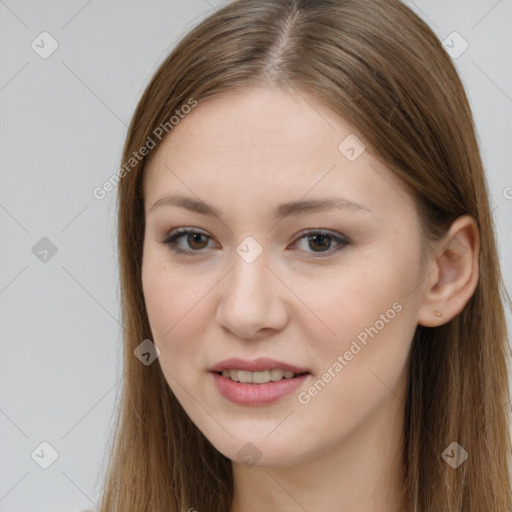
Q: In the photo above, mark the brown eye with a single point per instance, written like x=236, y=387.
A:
x=317, y=242
x=195, y=241
x=321, y=242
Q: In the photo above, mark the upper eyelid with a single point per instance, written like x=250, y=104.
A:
x=300, y=234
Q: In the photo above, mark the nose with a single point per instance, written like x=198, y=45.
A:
x=253, y=300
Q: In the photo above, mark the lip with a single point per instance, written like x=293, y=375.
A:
x=256, y=365
x=256, y=394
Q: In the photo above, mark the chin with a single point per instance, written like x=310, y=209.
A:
x=256, y=450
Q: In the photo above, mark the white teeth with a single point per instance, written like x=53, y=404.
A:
x=276, y=374
x=244, y=376
x=261, y=377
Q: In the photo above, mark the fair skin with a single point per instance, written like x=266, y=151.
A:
x=302, y=303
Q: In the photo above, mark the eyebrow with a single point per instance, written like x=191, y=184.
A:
x=281, y=211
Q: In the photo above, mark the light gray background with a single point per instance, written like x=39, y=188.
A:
x=63, y=123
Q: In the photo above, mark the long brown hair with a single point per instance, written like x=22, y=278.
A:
x=380, y=67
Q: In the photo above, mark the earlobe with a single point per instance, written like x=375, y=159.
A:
x=456, y=276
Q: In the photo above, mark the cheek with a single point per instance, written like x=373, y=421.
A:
x=372, y=315
x=369, y=294
x=169, y=291
x=363, y=365
x=176, y=310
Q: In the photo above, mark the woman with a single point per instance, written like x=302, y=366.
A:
x=312, y=299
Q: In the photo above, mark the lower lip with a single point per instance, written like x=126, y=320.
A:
x=242, y=393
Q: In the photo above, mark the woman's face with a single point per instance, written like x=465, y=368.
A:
x=329, y=291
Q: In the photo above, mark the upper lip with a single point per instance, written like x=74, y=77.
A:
x=256, y=365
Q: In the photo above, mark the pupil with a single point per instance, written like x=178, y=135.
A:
x=322, y=238
x=194, y=237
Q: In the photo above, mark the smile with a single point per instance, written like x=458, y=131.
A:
x=261, y=377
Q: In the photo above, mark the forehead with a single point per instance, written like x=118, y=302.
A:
x=266, y=145
x=260, y=115
x=255, y=125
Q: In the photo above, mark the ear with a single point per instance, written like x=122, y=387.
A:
x=454, y=277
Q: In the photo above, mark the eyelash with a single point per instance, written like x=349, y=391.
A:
x=180, y=232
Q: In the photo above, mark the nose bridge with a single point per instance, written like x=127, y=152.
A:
x=250, y=268
x=249, y=281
